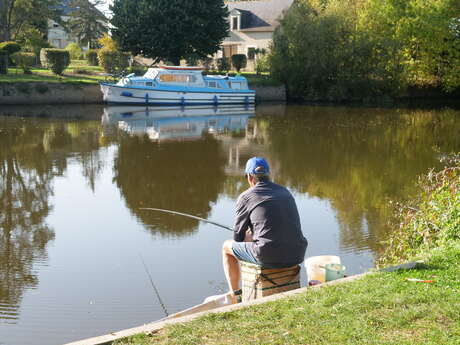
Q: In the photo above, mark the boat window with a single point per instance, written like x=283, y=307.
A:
x=212, y=84
x=139, y=83
x=234, y=85
x=149, y=83
x=177, y=78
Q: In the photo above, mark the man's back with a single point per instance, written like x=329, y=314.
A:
x=269, y=210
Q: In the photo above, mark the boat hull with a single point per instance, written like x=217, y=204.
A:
x=115, y=94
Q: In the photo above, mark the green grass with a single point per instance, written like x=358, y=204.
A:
x=382, y=308
x=80, y=73
x=72, y=74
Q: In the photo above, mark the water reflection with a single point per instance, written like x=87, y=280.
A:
x=156, y=168
x=32, y=154
x=177, y=123
x=358, y=160
x=344, y=165
x=26, y=171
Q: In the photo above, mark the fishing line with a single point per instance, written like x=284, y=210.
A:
x=187, y=215
x=154, y=287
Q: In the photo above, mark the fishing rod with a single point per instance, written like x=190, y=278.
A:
x=154, y=287
x=187, y=215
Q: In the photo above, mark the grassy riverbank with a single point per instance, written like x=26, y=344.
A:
x=380, y=308
x=80, y=72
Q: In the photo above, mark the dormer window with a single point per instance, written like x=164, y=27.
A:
x=235, y=20
x=234, y=23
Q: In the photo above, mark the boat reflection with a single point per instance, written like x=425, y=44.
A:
x=177, y=123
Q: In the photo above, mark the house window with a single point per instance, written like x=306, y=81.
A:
x=251, y=53
x=234, y=23
x=55, y=25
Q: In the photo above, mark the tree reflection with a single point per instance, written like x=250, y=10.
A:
x=32, y=152
x=185, y=176
x=359, y=160
x=25, y=185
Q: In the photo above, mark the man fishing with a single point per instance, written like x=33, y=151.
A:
x=267, y=227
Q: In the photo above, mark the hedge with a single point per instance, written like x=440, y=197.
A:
x=91, y=57
x=55, y=59
x=24, y=60
x=75, y=51
x=3, y=61
x=239, y=61
x=113, y=61
x=223, y=64
x=10, y=46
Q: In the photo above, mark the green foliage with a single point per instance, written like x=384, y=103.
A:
x=355, y=49
x=86, y=22
x=17, y=16
x=207, y=63
x=262, y=64
x=10, y=46
x=24, y=60
x=74, y=51
x=138, y=70
x=318, y=52
x=223, y=65
x=170, y=30
x=239, y=61
x=430, y=221
x=3, y=62
x=91, y=57
x=33, y=40
x=421, y=36
x=55, y=59
x=113, y=61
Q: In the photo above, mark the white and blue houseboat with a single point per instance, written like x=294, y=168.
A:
x=176, y=85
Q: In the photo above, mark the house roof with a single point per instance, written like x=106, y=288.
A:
x=261, y=15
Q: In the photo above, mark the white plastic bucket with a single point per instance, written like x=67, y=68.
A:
x=315, y=266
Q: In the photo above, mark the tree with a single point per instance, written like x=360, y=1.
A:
x=18, y=15
x=87, y=24
x=169, y=30
x=421, y=37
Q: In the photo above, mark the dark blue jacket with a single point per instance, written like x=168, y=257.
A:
x=269, y=210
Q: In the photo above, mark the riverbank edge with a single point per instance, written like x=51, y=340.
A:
x=45, y=93
x=156, y=326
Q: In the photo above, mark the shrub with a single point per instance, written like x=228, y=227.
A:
x=432, y=220
x=91, y=57
x=3, y=61
x=138, y=70
x=74, y=51
x=223, y=65
x=55, y=59
x=239, y=61
x=10, y=46
x=113, y=61
x=207, y=63
x=24, y=60
x=262, y=64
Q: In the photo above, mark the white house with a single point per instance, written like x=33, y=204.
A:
x=252, y=24
x=58, y=37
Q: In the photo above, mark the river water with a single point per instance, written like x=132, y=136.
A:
x=76, y=250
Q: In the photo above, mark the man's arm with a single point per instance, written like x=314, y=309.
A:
x=242, y=221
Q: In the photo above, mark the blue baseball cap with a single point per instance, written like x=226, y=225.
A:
x=257, y=165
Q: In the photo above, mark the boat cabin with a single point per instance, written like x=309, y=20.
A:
x=177, y=76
